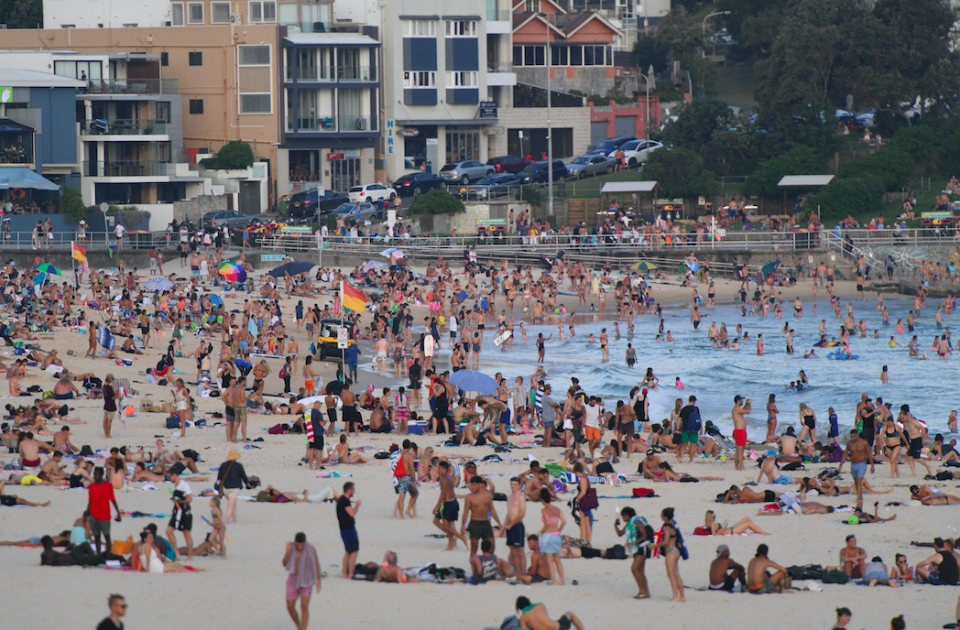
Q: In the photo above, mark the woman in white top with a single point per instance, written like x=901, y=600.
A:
x=150, y=560
x=182, y=396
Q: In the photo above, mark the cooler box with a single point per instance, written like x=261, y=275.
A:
x=418, y=427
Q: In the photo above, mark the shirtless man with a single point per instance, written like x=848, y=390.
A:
x=759, y=581
x=230, y=412
x=350, y=414
x=330, y=401
x=380, y=352
x=513, y=526
x=538, y=481
x=746, y=495
x=61, y=441
x=739, y=412
x=478, y=505
x=915, y=432
x=447, y=509
x=390, y=572
x=859, y=452
x=52, y=470
x=492, y=410
x=538, y=571
x=30, y=451
x=724, y=572
x=535, y=617
x=240, y=407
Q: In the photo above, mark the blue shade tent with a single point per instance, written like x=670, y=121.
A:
x=473, y=381
x=24, y=178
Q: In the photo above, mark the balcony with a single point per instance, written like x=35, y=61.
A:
x=310, y=73
x=128, y=168
x=330, y=124
x=134, y=87
x=362, y=123
x=123, y=127
x=499, y=21
x=324, y=124
x=357, y=73
x=16, y=154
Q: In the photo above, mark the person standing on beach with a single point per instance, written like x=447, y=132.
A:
x=739, y=412
x=346, y=516
x=479, y=507
x=99, y=497
x=670, y=548
x=182, y=518
x=690, y=428
x=118, y=608
x=858, y=451
x=513, y=527
x=303, y=565
x=447, y=510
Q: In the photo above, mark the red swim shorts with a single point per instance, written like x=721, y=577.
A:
x=740, y=437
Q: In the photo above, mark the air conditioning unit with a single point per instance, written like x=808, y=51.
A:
x=236, y=20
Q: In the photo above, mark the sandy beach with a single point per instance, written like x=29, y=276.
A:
x=247, y=589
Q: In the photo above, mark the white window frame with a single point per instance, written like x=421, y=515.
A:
x=173, y=14
x=419, y=28
x=461, y=28
x=261, y=4
x=531, y=6
x=463, y=79
x=213, y=12
x=415, y=79
x=189, y=15
x=268, y=64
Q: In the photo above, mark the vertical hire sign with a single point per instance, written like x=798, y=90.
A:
x=389, y=137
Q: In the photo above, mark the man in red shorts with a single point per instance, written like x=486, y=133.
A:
x=740, y=409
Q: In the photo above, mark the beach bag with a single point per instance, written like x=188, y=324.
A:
x=792, y=466
x=944, y=475
x=835, y=576
x=617, y=552
x=829, y=473
x=121, y=547
x=86, y=451
x=589, y=500
x=173, y=423
x=253, y=482
x=805, y=572
x=276, y=429
x=835, y=456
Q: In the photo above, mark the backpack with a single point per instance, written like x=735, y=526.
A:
x=805, y=572
x=173, y=422
x=693, y=422
x=835, y=577
x=283, y=373
x=192, y=454
x=792, y=466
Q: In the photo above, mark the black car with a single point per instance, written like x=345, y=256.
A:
x=326, y=342
x=416, y=183
x=493, y=186
x=305, y=204
x=537, y=173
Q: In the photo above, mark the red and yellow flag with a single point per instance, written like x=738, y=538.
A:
x=352, y=299
x=79, y=253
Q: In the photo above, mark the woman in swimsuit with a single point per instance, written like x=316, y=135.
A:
x=809, y=420
x=772, y=412
x=743, y=525
x=670, y=546
x=900, y=569
x=650, y=380
x=551, y=541
x=893, y=437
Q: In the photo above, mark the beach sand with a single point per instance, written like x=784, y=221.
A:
x=247, y=590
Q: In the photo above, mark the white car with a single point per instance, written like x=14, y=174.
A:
x=371, y=193
x=637, y=151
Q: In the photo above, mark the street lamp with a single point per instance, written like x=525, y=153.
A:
x=647, y=78
x=546, y=53
x=704, y=25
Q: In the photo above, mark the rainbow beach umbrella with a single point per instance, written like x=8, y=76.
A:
x=48, y=269
x=232, y=272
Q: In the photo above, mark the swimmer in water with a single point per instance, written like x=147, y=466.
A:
x=885, y=376
x=811, y=355
x=899, y=326
x=681, y=386
x=893, y=342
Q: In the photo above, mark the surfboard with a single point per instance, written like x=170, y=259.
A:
x=502, y=337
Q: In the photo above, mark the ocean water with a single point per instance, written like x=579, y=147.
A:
x=716, y=376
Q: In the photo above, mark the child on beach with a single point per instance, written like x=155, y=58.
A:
x=219, y=527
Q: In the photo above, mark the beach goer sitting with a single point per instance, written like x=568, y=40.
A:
x=941, y=567
x=725, y=573
x=390, y=572
x=487, y=566
x=759, y=580
x=853, y=558
x=876, y=573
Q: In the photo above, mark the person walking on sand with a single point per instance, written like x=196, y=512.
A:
x=303, y=565
x=346, y=516
x=479, y=507
x=859, y=452
x=447, y=510
x=740, y=409
x=118, y=608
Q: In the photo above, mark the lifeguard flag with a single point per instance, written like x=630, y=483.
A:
x=352, y=298
x=79, y=253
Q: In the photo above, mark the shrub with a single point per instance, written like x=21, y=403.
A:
x=842, y=197
x=797, y=161
x=71, y=204
x=437, y=201
x=236, y=154
x=533, y=195
x=917, y=142
x=680, y=173
x=891, y=166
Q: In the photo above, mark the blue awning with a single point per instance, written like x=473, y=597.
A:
x=19, y=177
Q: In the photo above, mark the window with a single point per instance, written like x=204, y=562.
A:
x=196, y=58
x=163, y=111
x=461, y=79
x=518, y=55
x=164, y=59
x=576, y=55
x=177, y=8
x=219, y=12
x=196, y=105
x=532, y=56
x=261, y=12
x=195, y=13
x=559, y=55
x=461, y=28
x=288, y=14
x=419, y=79
x=256, y=94
x=420, y=28
x=532, y=6
x=130, y=26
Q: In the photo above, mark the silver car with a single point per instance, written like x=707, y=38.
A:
x=230, y=218
x=586, y=165
x=466, y=171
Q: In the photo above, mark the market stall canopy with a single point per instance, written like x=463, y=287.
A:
x=804, y=181
x=628, y=188
x=20, y=177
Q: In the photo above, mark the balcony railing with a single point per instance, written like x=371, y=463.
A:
x=123, y=127
x=14, y=154
x=131, y=86
x=324, y=124
x=499, y=66
x=330, y=124
x=498, y=15
x=357, y=73
x=126, y=168
x=354, y=123
x=310, y=73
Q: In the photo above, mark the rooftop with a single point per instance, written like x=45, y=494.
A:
x=28, y=78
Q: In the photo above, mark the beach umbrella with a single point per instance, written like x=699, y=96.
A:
x=392, y=252
x=473, y=381
x=49, y=269
x=372, y=265
x=159, y=284
x=295, y=268
x=770, y=267
x=215, y=300
x=40, y=278
x=232, y=272
x=643, y=266
x=694, y=267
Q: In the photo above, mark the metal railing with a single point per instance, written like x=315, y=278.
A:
x=332, y=124
x=92, y=241
x=123, y=127
x=131, y=86
x=357, y=73
x=127, y=168
x=310, y=73
x=483, y=192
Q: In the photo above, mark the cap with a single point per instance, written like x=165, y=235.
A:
x=233, y=455
x=722, y=548
x=737, y=398
x=205, y=378
x=692, y=398
x=771, y=453
x=644, y=390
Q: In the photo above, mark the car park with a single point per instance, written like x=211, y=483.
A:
x=636, y=151
x=230, y=218
x=308, y=203
x=537, y=173
x=359, y=212
x=610, y=144
x=590, y=165
x=466, y=171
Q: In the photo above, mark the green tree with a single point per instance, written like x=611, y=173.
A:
x=753, y=24
x=890, y=167
x=683, y=34
x=21, y=13
x=533, y=195
x=732, y=151
x=842, y=197
x=679, y=173
x=650, y=52
x=71, y=204
x=696, y=122
x=917, y=141
x=436, y=201
x=235, y=155
x=797, y=161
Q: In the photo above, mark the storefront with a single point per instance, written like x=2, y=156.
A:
x=415, y=143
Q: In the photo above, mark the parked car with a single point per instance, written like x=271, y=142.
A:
x=537, y=173
x=587, y=165
x=371, y=193
x=637, y=151
x=493, y=186
x=466, y=171
x=359, y=211
x=416, y=183
x=508, y=163
x=305, y=204
x=611, y=144
x=230, y=218
x=326, y=343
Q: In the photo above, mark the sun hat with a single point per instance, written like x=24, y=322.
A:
x=233, y=455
